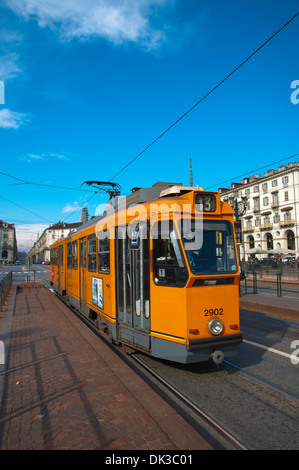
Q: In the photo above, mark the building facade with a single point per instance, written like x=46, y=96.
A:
x=40, y=252
x=8, y=242
x=84, y=217
x=271, y=219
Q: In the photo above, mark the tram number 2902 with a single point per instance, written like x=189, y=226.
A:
x=209, y=312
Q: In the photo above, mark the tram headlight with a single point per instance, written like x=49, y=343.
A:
x=215, y=326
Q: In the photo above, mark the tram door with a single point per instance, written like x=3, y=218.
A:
x=60, y=268
x=82, y=271
x=133, y=285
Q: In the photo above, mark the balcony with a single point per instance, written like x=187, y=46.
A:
x=249, y=228
x=256, y=208
x=267, y=226
x=287, y=223
x=274, y=205
x=6, y=246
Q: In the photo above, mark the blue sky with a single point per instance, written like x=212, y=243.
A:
x=88, y=85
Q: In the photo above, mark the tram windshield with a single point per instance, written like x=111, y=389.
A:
x=215, y=252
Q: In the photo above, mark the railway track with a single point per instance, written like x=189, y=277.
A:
x=257, y=412
x=235, y=443
x=219, y=432
x=272, y=384
x=217, y=435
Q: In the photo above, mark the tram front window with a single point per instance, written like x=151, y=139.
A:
x=216, y=252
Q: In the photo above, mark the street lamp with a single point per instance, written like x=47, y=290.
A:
x=239, y=208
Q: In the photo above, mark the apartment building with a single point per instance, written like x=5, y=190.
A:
x=271, y=218
x=8, y=242
x=40, y=252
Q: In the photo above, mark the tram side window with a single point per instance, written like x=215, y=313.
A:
x=53, y=256
x=61, y=255
x=69, y=255
x=104, y=255
x=92, y=253
x=75, y=254
x=168, y=262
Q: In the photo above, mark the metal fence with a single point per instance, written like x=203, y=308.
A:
x=270, y=268
x=23, y=276
x=19, y=276
x=283, y=279
x=5, y=283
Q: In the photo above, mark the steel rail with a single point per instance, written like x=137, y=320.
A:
x=258, y=377
x=220, y=429
x=125, y=356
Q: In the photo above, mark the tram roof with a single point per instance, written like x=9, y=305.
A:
x=157, y=192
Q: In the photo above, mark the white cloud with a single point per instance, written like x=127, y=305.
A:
x=69, y=208
x=118, y=21
x=60, y=156
x=76, y=205
x=9, y=67
x=31, y=157
x=9, y=60
x=11, y=119
x=10, y=36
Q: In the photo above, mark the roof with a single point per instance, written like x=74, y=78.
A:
x=256, y=179
x=62, y=225
x=6, y=225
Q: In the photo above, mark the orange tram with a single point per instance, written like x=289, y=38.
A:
x=158, y=271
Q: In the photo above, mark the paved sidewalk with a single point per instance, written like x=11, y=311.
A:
x=66, y=389
x=284, y=307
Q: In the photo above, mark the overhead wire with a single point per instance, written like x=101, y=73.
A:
x=42, y=184
x=20, y=221
x=79, y=207
x=22, y=182
x=205, y=96
x=24, y=208
x=158, y=138
x=209, y=187
x=253, y=171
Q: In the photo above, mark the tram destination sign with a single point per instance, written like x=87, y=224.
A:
x=207, y=201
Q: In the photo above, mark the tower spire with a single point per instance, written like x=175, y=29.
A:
x=191, y=176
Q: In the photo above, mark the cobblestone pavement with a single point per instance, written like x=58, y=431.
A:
x=66, y=389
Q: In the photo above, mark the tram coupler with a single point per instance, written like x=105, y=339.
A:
x=217, y=357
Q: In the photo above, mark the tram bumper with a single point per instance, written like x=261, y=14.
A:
x=198, y=350
x=216, y=348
